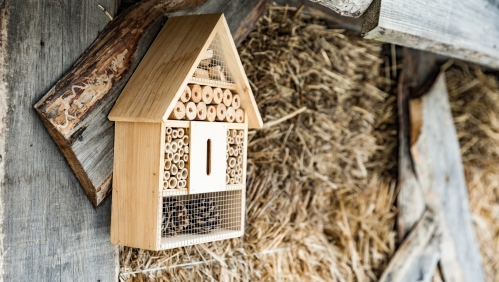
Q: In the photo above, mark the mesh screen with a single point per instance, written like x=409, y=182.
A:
x=212, y=68
x=186, y=216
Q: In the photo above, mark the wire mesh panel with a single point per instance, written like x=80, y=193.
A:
x=176, y=158
x=212, y=68
x=194, y=219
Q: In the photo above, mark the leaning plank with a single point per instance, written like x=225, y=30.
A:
x=349, y=8
x=438, y=173
x=75, y=110
x=48, y=230
x=467, y=30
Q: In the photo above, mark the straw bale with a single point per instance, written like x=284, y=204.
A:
x=321, y=173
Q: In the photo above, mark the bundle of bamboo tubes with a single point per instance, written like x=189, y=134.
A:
x=205, y=103
x=176, y=158
x=211, y=67
x=234, y=156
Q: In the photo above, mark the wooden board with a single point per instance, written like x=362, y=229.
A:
x=467, y=30
x=349, y=8
x=138, y=183
x=49, y=230
x=432, y=179
x=87, y=141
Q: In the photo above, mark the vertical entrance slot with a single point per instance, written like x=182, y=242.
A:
x=208, y=157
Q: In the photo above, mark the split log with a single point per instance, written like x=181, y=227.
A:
x=349, y=8
x=75, y=110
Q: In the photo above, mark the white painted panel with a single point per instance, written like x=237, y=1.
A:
x=199, y=180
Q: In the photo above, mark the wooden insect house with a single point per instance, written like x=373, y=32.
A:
x=180, y=139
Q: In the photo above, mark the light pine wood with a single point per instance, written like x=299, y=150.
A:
x=155, y=102
x=467, y=30
x=199, y=181
x=137, y=182
x=214, y=83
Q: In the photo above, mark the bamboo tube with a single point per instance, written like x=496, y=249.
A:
x=172, y=183
x=186, y=149
x=231, y=140
x=168, y=164
x=201, y=73
x=227, y=178
x=239, y=171
x=165, y=185
x=201, y=111
x=169, y=138
x=232, y=173
x=181, y=152
x=228, y=141
x=179, y=143
x=229, y=132
x=231, y=115
x=190, y=111
x=181, y=183
x=186, y=95
x=207, y=95
x=186, y=158
x=232, y=181
x=239, y=140
x=227, y=156
x=176, y=158
x=166, y=175
x=233, y=133
x=169, y=156
x=185, y=140
x=227, y=170
x=168, y=147
x=236, y=152
x=178, y=111
x=240, y=159
x=195, y=93
x=227, y=100
x=239, y=179
x=221, y=111
x=231, y=151
x=173, y=170
x=241, y=151
x=181, y=132
x=232, y=162
x=236, y=101
x=239, y=115
x=174, y=134
x=174, y=147
x=184, y=173
x=241, y=133
x=178, y=176
x=218, y=95
x=168, y=130
x=181, y=164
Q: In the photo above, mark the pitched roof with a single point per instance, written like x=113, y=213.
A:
x=169, y=64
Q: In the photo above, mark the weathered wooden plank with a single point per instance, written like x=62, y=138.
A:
x=431, y=166
x=467, y=30
x=75, y=109
x=349, y=8
x=49, y=230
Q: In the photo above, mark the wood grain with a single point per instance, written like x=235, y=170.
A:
x=49, y=232
x=349, y=8
x=138, y=170
x=467, y=30
x=87, y=141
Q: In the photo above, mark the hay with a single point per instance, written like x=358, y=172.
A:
x=321, y=179
x=475, y=106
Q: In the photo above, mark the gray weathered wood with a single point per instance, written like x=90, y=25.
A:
x=349, y=8
x=431, y=166
x=467, y=30
x=49, y=230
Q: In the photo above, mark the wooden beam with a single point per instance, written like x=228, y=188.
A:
x=75, y=109
x=49, y=230
x=467, y=30
x=349, y=8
